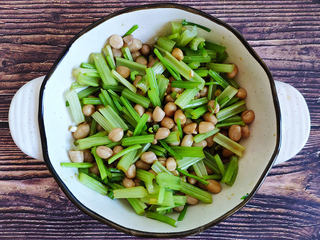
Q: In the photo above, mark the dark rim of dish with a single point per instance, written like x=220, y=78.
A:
x=115, y=225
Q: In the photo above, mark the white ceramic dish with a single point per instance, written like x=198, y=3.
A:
x=261, y=148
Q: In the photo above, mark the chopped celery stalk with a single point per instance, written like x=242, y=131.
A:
x=98, y=134
x=113, y=144
x=195, y=192
x=233, y=83
x=194, y=65
x=168, y=199
x=186, y=162
x=92, y=101
x=109, y=100
x=210, y=91
x=173, y=138
x=202, y=72
x=107, y=51
x=187, y=35
x=200, y=59
x=128, y=141
x=103, y=69
x=161, y=218
x=136, y=98
x=75, y=106
x=227, y=94
x=131, y=110
x=203, y=136
x=87, y=80
x=100, y=163
x=116, y=100
x=131, y=30
x=186, y=23
x=141, y=124
x=170, y=150
x=123, y=152
x=137, y=205
x=179, y=128
x=222, y=57
x=171, y=68
x=185, y=98
x=194, y=44
x=231, y=170
x=133, y=75
x=168, y=181
x=232, y=101
x=87, y=65
x=141, y=151
x=174, y=36
x=147, y=178
x=132, y=65
x=143, y=85
x=126, y=161
x=153, y=85
x=221, y=67
x=133, y=192
x=127, y=116
x=199, y=179
x=189, y=151
x=161, y=195
x=179, y=200
x=183, y=213
x=197, y=103
x=219, y=164
x=231, y=110
x=223, y=83
x=198, y=112
x=229, y=123
x=212, y=177
x=123, y=81
x=114, y=119
x=103, y=99
x=176, y=27
x=157, y=152
x=89, y=142
x=158, y=168
x=87, y=92
x=158, y=68
x=93, y=183
x=76, y=165
x=93, y=127
x=166, y=43
x=115, y=88
x=218, y=48
x=229, y=144
x=185, y=84
x=183, y=69
x=163, y=83
x=126, y=53
x=200, y=169
x=159, y=149
x=85, y=72
x=209, y=161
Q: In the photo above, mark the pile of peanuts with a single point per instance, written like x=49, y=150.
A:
x=165, y=117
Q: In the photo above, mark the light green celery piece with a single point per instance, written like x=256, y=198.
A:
x=147, y=178
x=87, y=80
x=100, y=163
x=141, y=124
x=203, y=136
x=200, y=169
x=187, y=35
x=231, y=110
x=109, y=99
x=86, y=72
x=197, y=102
x=189, y=151
x=143, y=139
x=163, y=83
x=107, y=51
x=227, y=94
x=76, y=164
x=126, y=53
x=196, y=192
x=176, y=27
x=166, y=43
x=90, y=142
x=161, y=218
x=161, y=195
x=137, y=205
x=184, y=99
x=158, y=168
x=179, y=200
x=133, y=192
x=221, y=67
x=132, y=65
x=123, y=81
x=173, y=138
x=131, y=110
x=168, y=199
x=158, y=68
x=153, y=93
x=75, y=106
x=144, y=148
x=136, y=98
x=186, y=162
x=103, y=69
x=103, y=122
x=123, y=152
x=126, y=161
x=168, y=181
x=114, y=119
x=195, y=43
x=93, y=183
x=229, y=144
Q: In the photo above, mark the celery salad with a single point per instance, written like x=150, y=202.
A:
x=158, y=125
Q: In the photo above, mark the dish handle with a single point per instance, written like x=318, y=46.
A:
x=24, y=127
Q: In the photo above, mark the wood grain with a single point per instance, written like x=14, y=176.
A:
x=286, y=34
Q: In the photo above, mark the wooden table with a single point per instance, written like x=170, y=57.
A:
x=286, y=34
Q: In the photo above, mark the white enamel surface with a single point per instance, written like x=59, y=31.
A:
x=260, y=145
